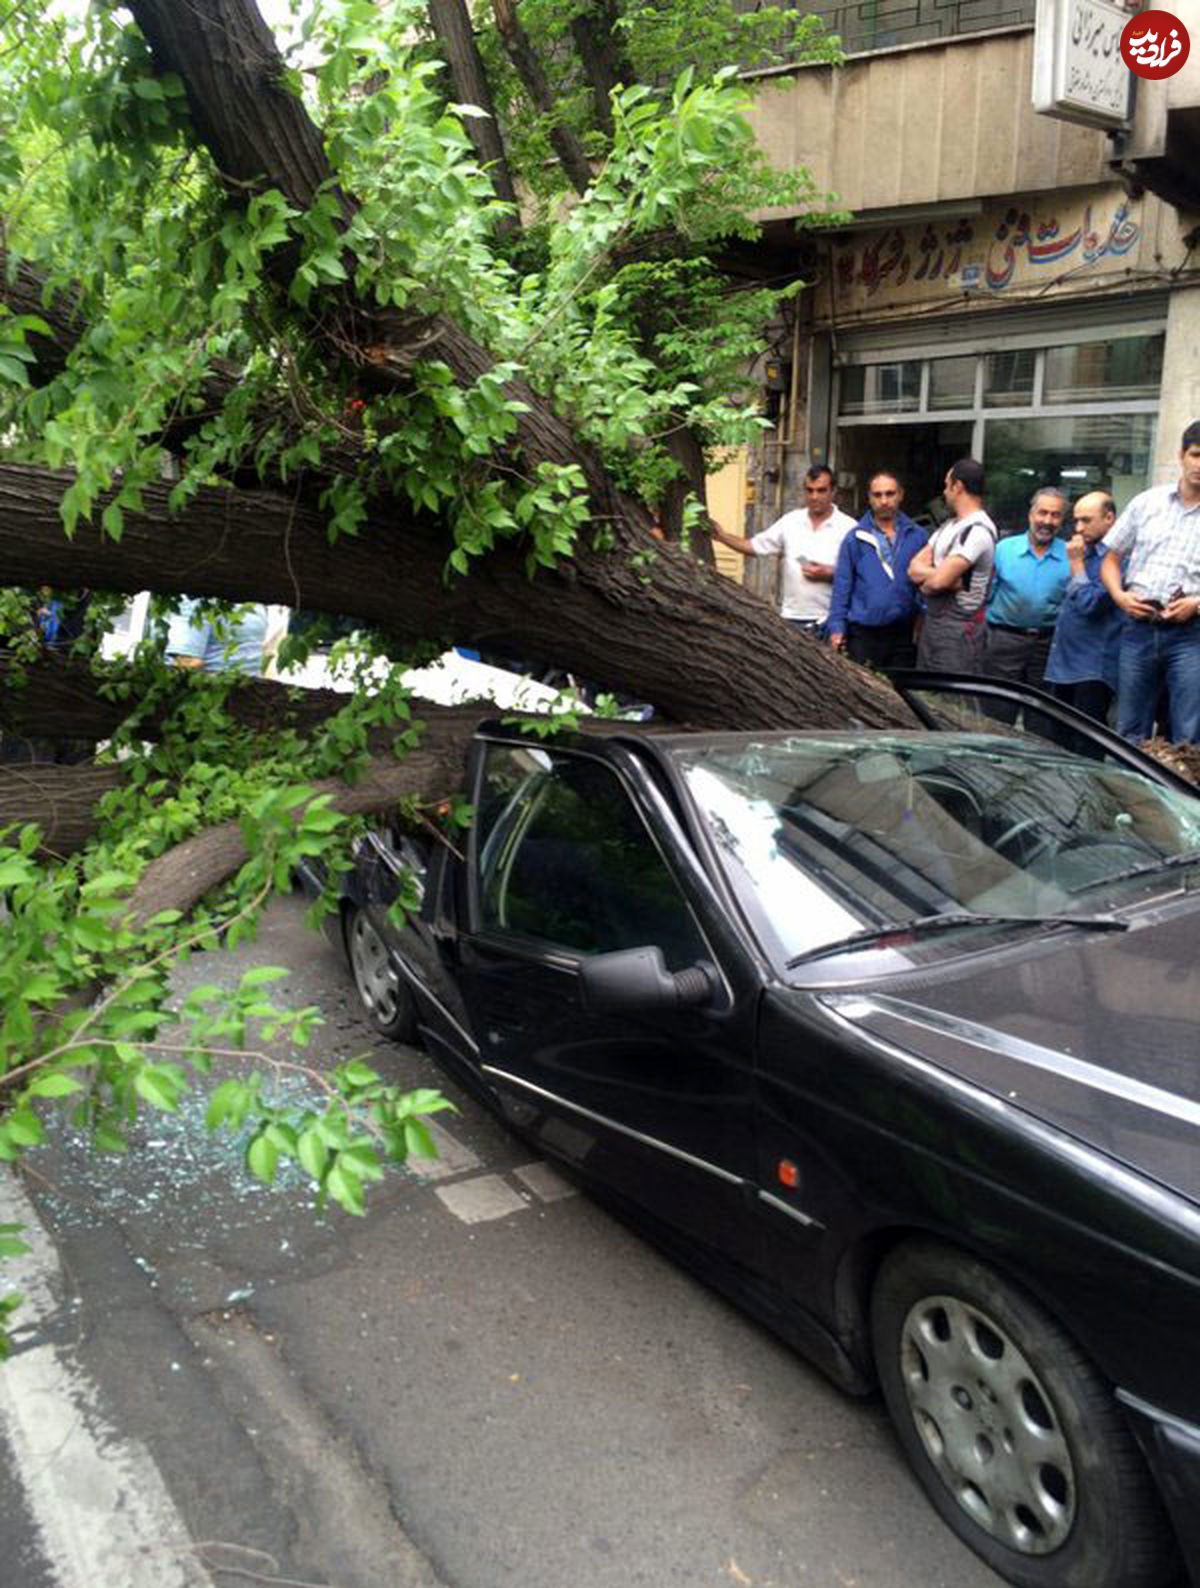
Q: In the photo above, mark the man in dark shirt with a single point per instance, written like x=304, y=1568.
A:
x=1082, y=669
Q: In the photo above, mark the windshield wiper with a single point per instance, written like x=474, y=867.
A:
x=1189, y=857
x=921, y=924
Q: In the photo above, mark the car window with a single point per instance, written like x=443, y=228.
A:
x=892, y=827
x=564, y=856
x=962, y=710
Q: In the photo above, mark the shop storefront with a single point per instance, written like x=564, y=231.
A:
x=1031, y=338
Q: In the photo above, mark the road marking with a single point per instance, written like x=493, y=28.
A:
x=452, y=1158
x=102, y=1513
x=545, y=1183
x=486, y=1197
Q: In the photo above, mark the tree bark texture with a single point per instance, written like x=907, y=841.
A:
x=60, y=799
x=522, y=54
x=451, y=22
x=702, y=649
x=604, y=62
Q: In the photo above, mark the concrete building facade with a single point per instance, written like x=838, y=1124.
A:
x=1005, y=284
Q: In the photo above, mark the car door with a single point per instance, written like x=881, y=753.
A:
x=658, y=1106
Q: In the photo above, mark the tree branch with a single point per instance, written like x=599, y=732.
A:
x=451, y=22
x=625, y=619
x=522, y=54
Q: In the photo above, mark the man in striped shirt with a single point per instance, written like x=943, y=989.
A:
x=1159, y=536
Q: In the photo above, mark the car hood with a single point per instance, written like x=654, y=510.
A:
x=1098, y=1036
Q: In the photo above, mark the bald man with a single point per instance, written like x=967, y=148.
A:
x=1082, y=669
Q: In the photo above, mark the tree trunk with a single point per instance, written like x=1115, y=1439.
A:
x=521, y=52
x=660, y=627
x=451, y=22
x=604, y=63
x=60, y=799
x=683, y=446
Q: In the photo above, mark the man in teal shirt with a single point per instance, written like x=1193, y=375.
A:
x=1028, y=585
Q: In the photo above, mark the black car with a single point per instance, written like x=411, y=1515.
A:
x=891, y=1036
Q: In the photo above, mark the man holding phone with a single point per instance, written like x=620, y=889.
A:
x=1159, y=593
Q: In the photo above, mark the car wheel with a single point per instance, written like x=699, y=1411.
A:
x=385, y=997
x=1018, y=1442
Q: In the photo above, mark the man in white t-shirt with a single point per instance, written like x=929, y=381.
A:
x=808, y=540
x=953, y=573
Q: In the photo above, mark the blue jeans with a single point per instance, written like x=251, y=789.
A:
x=1154, y=655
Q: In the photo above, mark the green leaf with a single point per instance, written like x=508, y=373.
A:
x=259, y=975
x=346, y=1190
x=312, y=1153
x=361, y=1162
x=11, y=1243
x=418, y=1142
x=55, y=1084
x=262, y=1158
x=158, y=1086
x=25, y=1128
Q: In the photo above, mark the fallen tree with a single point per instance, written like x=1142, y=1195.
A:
x=371, y=414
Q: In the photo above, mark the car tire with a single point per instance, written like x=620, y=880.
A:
x=1018, y=1442
x=386, y=998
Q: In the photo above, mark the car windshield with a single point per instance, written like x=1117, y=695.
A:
x=822, y=837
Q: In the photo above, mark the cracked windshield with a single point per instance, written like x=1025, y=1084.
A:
x=820, y=837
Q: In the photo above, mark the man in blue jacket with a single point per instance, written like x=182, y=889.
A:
x=874, y=602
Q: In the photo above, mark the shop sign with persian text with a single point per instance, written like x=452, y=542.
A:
x=1021, y=248
x=1078, y=71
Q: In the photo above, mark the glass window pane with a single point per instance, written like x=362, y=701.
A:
x=952, y=382
x=895, y=827
x=918, y=454
x=568, y=859
x=1129, y=366
x=1008, y=378
x=881, y=388
x=1086, y=453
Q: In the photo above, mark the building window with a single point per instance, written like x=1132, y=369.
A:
x=1088, y=372
x=1008, y=378
x=1080, y=415
x=883, y=388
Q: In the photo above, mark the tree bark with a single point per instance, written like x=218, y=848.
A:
x=658, y=627
x=603, y=60
x=522, y=54
x=24, y=291
x=451, y=22
x=60, y=799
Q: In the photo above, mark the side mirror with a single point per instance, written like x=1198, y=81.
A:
x=636, y=981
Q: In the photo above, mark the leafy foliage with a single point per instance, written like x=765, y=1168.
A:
x=195, y=310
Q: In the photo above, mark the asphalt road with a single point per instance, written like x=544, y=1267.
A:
x=486, y=1382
